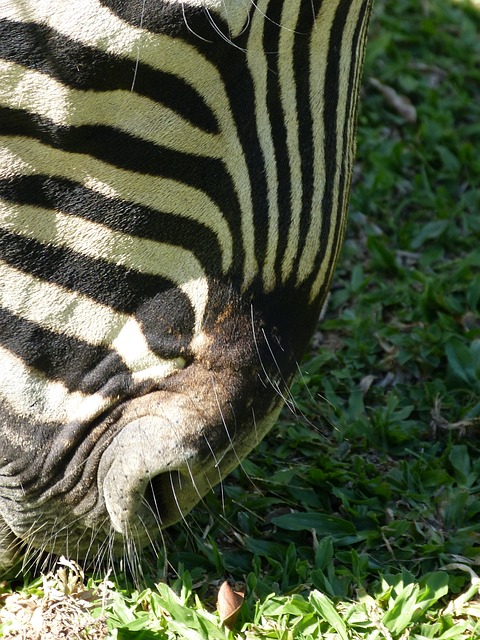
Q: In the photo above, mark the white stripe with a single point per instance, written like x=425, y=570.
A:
x=143, y=363
x=58, y=309
x=31, y=395
x=126, y=111
x=85, y=21
x=25, y=156
x=290, y=13
x=74, y=315
x=99, y=242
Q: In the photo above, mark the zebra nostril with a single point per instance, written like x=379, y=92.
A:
x=147, y=475
x=160, y=497
x=153, y=496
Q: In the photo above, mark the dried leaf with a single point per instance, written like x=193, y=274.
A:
x=228, y=604
x=366, y=382
x=439, y=422
x=400, y=103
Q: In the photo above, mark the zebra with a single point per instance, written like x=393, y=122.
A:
x=174, y=181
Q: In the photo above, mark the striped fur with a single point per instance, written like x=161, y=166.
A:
x=174, y=179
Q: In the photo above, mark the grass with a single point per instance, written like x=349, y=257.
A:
x=359, y=515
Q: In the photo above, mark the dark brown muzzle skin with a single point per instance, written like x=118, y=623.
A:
x=173, y=194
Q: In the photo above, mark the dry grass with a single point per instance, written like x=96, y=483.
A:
x=63, y=610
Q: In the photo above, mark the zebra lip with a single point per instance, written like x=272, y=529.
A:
x=149, y=478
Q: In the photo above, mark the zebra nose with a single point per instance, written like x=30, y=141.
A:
x=143, y=505
x=146, y=477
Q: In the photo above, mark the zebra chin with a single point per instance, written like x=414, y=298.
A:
x=142, y=454
x=159, y=454
x=145, y=482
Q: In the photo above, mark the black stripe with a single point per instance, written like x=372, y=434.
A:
x=118, y=215
x=59, y=357
x=118, y=149
x=82, y=67
x=271, y=44
x=171, y=18
x=111, y=285
x=351, y=121
x=332, y=79
x=338, y=30
x=240, y=89
x=301, y=68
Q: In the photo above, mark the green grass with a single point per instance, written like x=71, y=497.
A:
x=359, y=515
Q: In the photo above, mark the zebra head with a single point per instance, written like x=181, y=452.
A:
x=174, y=179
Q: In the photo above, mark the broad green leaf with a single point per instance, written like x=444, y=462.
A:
x=127, y=634
x=326, y=609
x=436, y=586
x=187, y=633
x=167, y=600
x=460, y=631
x=460, y=461
x=122, y=614
x=323, y=524
x=324, y=553
x=401, y=613
x=382, y=254
x=431, y=230
x=141, y=622
x=293, y=605
x=461, y=361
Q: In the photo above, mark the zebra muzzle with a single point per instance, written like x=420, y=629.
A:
x=150, y=476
